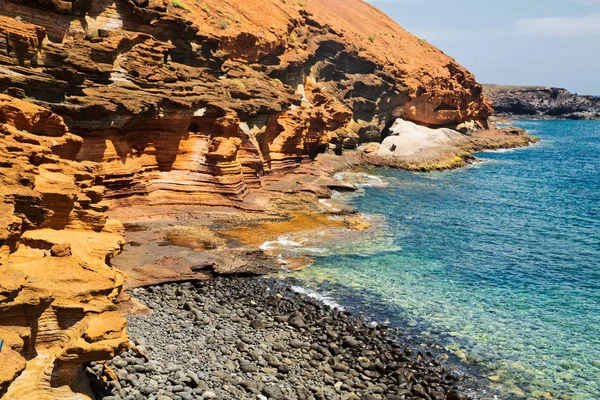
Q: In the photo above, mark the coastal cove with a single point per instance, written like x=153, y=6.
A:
x=497, y=262
x=289, y=200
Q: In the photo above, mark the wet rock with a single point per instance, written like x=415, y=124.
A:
x=297, y=322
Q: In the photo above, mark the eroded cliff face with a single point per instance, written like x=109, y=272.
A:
x=57, y=292
x=186, y=101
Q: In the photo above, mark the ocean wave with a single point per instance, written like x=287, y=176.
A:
x=284, y=243
x=362, y=179
x=328, y=301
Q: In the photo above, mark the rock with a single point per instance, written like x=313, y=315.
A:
x=279, y=362
x=177, y=388
x=148, y=390
x=42, y=189
x=61, y=250
x=273, y=392
x=349, y=341
x=454, y=395
x=298, y=344
x=248, y=367
x=171, y=348
x=119, y=363
x=257, y=324
x=273, y=361
x=135, y=112
x=419, y=390
x=297, y=322
x=209, y=394
x=419, y=148
x=542, y=102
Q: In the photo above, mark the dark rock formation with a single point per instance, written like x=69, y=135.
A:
x=542, y=102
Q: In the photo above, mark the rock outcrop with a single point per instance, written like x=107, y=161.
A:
x=190, y=102
x=418, y=148
x=542, y=102
x=57, y=292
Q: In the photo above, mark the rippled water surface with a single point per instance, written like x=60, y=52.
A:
x=499, y=261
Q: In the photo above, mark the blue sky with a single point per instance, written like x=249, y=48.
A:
x=512, y=42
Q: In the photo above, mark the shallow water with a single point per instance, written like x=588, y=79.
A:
x=499, y=261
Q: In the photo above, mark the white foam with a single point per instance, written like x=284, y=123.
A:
x=328, y=301
x=285, y=243
x=362, y=179
x=268, y=245
x=498, y=151
x=316, y=250
x=282, y=241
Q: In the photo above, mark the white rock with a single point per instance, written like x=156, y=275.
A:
x=408, y=138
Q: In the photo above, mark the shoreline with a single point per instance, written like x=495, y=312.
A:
x=238, y=338
x=187, y=242
x=319, y=181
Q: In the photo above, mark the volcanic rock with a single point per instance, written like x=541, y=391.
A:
x=419, y=148
x=542, y=102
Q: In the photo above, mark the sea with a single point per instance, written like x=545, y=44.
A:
x=497, y=263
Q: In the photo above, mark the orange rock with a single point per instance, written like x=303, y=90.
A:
x=56, y=312
x=186, y=105
x=61, y=250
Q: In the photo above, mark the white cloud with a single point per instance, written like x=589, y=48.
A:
x=560, y=26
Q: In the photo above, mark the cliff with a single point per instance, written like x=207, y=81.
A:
x=542, y=102
x=178, y=102
x=57, y=293
x=182, y=97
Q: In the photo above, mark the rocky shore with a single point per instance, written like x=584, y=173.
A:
x=538, y=102
x=256, y=338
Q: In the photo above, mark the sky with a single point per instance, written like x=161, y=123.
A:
x=511, y=42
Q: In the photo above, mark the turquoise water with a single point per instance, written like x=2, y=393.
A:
x=499, y=261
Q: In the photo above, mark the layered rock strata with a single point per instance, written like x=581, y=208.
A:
x=57, y=292
x=190, y=102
